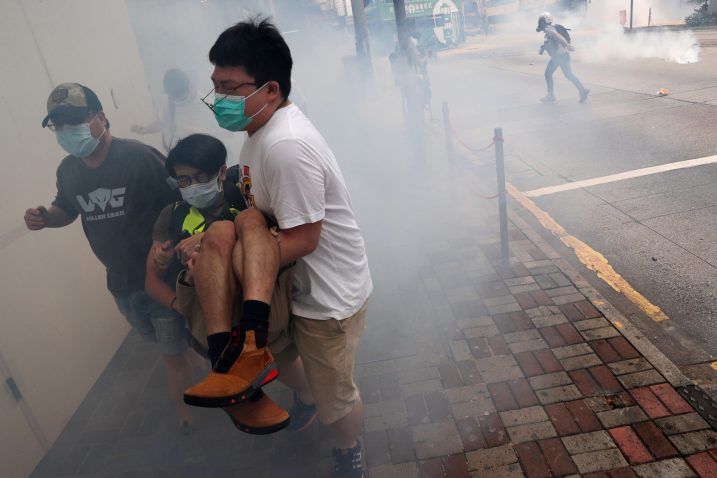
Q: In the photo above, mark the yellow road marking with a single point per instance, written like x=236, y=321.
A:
x=591, y=258
x=714, y=365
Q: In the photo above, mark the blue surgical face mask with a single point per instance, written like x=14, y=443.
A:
x=77, y=140
x=201, y=195
x=229, y=111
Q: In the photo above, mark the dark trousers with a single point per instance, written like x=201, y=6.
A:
x=561, y=61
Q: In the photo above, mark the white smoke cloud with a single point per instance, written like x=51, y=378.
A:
x=598, y=35
x=680, y=47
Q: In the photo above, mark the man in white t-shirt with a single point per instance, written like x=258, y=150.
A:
x=182, y=111
x=183, y=114
x=289, y=174
x=557, y=44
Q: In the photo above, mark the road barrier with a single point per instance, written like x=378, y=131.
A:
x=497, y=142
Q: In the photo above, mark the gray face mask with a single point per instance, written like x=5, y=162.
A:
x=203, y=194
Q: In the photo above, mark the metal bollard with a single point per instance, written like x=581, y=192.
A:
x=502, y=209
x=448, y=131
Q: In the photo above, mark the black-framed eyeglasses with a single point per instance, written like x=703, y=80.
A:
x=199, y=178
x=211, y=105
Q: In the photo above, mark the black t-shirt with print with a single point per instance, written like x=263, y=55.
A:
x=118, y=203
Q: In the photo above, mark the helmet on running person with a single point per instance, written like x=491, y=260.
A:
x=544, y=20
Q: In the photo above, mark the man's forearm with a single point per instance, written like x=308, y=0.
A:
x=156, y=288
x=290, y=249
x=298, y=242
x=57, y=217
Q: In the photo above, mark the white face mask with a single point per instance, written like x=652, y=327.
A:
x=201, y=195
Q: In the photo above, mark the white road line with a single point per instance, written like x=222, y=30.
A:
x=690, y=163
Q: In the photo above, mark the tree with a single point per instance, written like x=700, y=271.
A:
x=705, y=13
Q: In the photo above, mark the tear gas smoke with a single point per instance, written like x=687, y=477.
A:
x=598, y=35
x=612, y=43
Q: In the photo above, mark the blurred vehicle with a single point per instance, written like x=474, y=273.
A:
x=476, y=17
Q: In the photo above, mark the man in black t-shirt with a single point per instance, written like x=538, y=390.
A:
x=117, y=187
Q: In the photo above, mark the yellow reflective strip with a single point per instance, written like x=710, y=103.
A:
x=194, y=222
x=591, y=258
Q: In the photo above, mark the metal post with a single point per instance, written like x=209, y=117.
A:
x=399, y=8
x=631, y=10
x=502, y=209
x=448, y=131
x=363, y=50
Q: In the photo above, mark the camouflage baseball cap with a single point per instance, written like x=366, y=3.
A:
x=71, y=102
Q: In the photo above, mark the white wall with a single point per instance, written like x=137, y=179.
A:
x=59, y=326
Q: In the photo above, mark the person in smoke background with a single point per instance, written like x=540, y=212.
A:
x=294, y=178
x=559, y=49
x=182, y=111
x=483, y=20
x=210, y=193
x=117, y=187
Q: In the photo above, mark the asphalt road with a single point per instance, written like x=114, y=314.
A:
x=657, y=231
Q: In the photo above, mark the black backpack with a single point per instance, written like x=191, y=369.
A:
x=563, y=32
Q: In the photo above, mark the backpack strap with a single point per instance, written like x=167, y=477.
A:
x=232, y=193
x=179, y=214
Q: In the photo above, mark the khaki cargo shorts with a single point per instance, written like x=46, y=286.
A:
x=328, y=351
x=280, y=342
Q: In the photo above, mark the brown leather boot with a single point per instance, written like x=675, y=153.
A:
x=259, y=415
x=241, y=371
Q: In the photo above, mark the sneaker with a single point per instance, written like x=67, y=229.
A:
x=347, y=463
x=258, y=415
x=584, y=95
x=548, y=99
x=240, y=372
x=302, y=415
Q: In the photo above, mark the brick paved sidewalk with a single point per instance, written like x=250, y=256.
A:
x=466, y=369
x=470, y=369
x=535, y=382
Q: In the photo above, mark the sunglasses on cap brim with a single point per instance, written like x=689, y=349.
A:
x=69, y=116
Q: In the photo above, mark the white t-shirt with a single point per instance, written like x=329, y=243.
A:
x=289, y=172
x=555, y=47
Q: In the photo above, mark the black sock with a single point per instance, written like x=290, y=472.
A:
x=256, y=317
x=258, y=395
x=216, y=343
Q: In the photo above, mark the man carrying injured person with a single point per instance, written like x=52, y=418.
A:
x=289, y=173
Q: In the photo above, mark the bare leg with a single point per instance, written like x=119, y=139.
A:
x=179, y=376
x=346, y=429
x=236, y=257
x=293, y=376
x=214, y=279
x=256, y=256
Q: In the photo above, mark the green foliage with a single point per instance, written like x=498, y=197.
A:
x=700, y=16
